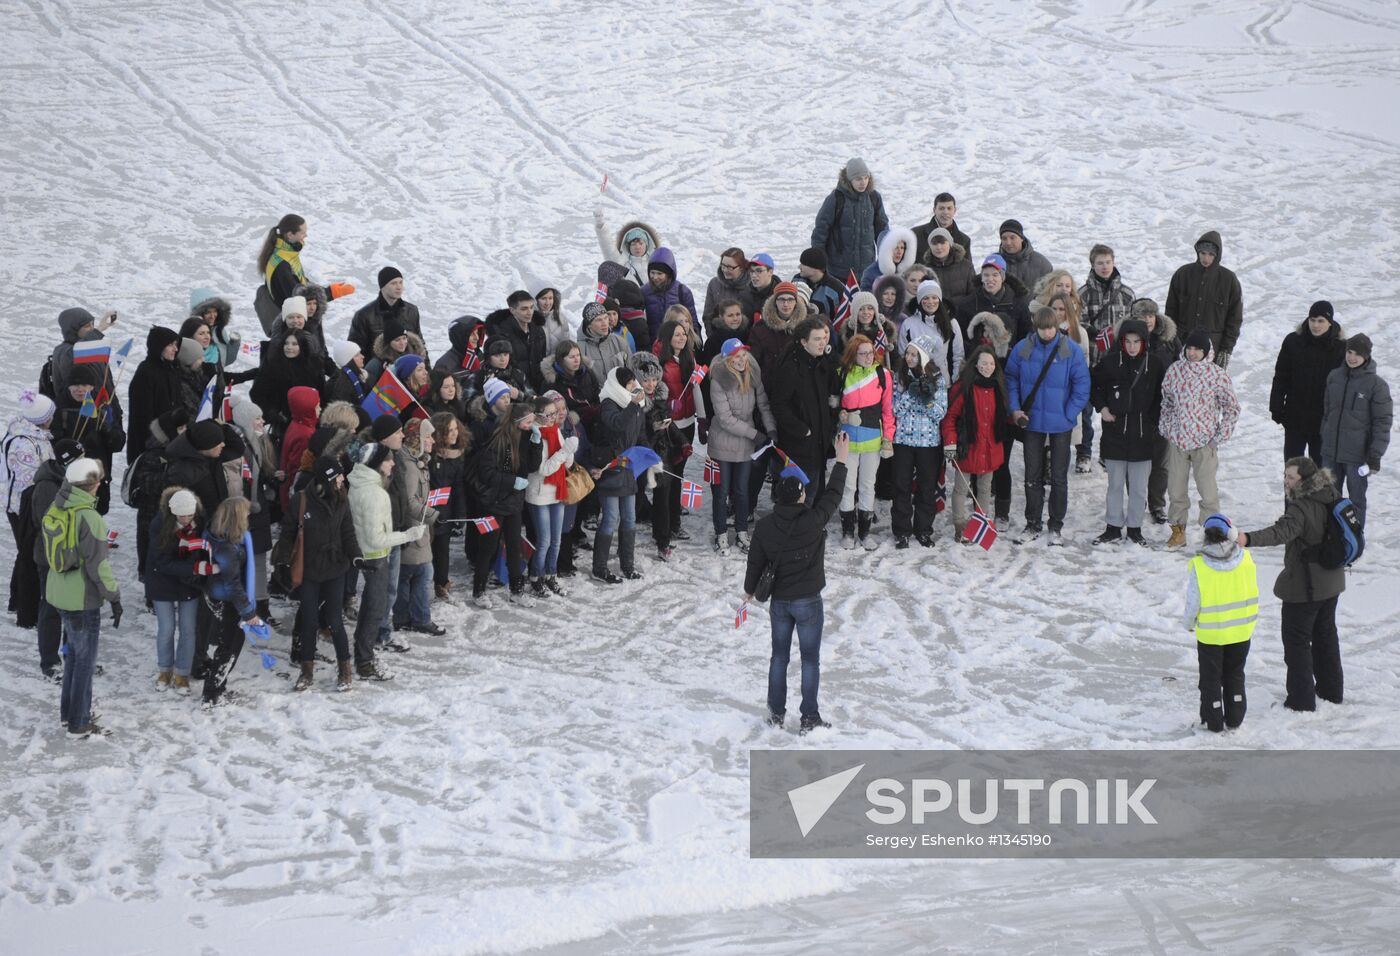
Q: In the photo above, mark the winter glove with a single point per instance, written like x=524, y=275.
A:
x=535, y=434
x=116, y=614
x=416, y=532
x=598, y=215
x=521, y=484
x=702, y=429
x=1374, y=464
x=886, y=449
x=950, y=452
x=339, y=290
x=1222, y=358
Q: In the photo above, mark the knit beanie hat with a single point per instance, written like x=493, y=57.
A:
x=1013, y=226
x=373, y=454
x=1199, y=339
x=591, y=311
x=183, y=502
x=499, y=347
x=388, y=274
x=294, y=305
x=35, y=407
x=191, y=352
x=326, y=470
x=930, y=287
x=1222, y=524
x=785, y=288
x=860, y=300
x=1323, y=308
x=385, y=426
x=610, y=272
x=66, y=451
x=233, y=444
x=813, y=258
x=1360, y=344
x=493, y=390
x=940, y=233
x=627, y=293
x=406, y=365
x=204, y=435
x=244, y=414
x=393, y=329
x=856, y=168
x=82, y=470
x=343, y=353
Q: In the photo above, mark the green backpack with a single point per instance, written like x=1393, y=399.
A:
x=60, y=531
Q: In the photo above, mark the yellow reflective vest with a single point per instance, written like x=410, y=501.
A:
x=1229, y=601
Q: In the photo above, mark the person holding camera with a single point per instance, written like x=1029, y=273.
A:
x=792, y=542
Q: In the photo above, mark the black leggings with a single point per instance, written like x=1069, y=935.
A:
x=486, y=554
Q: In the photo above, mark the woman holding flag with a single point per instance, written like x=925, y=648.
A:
x=739, y=400
x=545, y=495
x=866, y=396
x=619, y=428
x=177, y=563
x=681, y=376
x=500, y=473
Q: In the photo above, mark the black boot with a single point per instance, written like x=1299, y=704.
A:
x=1110, y=534
x=848, y=529
x=626, y=551
x=565, y=566
x=265, y=612
x=602, y=550
x=864, y=520
x=1135, y=536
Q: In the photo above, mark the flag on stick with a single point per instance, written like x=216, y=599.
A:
x=980, y=530
x=711, y=476
x=692, y=495
x=439, y=497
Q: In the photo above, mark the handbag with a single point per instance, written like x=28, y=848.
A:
x=298, y=561
x=1018, y=433
x=763, y=590
x=580, y=484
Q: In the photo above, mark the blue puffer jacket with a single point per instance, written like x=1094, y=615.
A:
x=919, y=410
x=675, y=293
x=1063, y=393
x=227, y=585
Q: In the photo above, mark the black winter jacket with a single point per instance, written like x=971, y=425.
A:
x=800, y=398
x=493, y=480
x=186, y=467
x=154, y=390
x=1130, y=388
x=1300, y=377
x=793, y=540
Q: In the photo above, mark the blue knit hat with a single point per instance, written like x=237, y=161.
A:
x=1218, y=521
x=405, y=365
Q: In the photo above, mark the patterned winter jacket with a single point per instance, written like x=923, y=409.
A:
x=918, y=411
x=1199, y=407
x=1105, y=303
x=26, y=446
x=867, y=408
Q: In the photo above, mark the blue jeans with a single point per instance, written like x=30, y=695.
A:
x=549, y=530
x=615, y=505
x=806, y=614
x=169, y=655
x=80, y=630
x=733, y=481
x=391, y=598
x=1355, y=484
x=411, y=605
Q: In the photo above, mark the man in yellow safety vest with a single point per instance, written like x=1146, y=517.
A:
x=1222, y=607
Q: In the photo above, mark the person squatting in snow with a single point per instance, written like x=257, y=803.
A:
x=352, y=476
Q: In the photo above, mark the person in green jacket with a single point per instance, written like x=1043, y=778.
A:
x=80, y=581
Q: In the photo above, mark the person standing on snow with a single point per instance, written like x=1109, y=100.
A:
x=1199, y=411
x=852, y=215
x=1356, y=418
x=1022, y=261
x=1205, y=296
x=1222, y=607
x=631, y=248
x=792, y=542
x=1305, y=360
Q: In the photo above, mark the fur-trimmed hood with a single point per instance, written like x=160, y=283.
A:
x=1164, y=332
x=1318, y=485
x=897, y=282
x=771, y=319
x=415, y=347
x=202, y=300
x=990, y=326
x=551, y=375
x=310, y=291
x=884, y=250
x=652, y=237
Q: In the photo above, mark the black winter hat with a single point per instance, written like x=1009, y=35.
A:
x=498, y=346
x=1360, y=344
x=610, y=272
x=373, y=455
x=88, y=373
x=206, y=434
x=326, y=471
x=1199, y=339
x=393, y=328
x=1323, y=308
x=66, y=451
x=171, y=421
x=388, y=274
x=1012, y=225
x=813, y=258
x=385, y=426
x=233, y=444
x=627, y=293
x=788, y=490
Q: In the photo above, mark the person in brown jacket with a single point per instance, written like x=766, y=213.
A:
x=1308, y=590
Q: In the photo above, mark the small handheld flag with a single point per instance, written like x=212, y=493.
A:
x=247, y=472
x=1104, y=340
x=741, y=615
x=980, y=530
x=111, y=539
x=85, y=353
x=600, y=294
x=388, y=397
x=843, y=310
x=698, y=376
x=759, y=454
x=711, y=476
x=251, y=348
x=940, y=494
x=89, y=408
x=206, y=404
x=119, y=357
x=692, y=495
x=603, y=188
x=485, y=525
x=194, y=544
x=636, y=459
x=439, y=497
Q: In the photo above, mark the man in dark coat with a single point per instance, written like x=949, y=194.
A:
x=154, y=389
x=193, y=462
x=1022, y=261
x=792, y=541
x=999, y=294
x=799, y=396
x=101, y=436
x=368, y=322
x=1206, y=295
x=945, y=208
x=527, y=340
x=852, y=215
x=1307, y=357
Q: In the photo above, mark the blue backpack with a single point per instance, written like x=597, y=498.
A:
x=1344, y=539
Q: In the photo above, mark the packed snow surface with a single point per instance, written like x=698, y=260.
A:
x=577, y=777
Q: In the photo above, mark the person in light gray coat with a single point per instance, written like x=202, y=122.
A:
x=1357, y=413
x=737, y=401
x=852, y=215
x=603, y=350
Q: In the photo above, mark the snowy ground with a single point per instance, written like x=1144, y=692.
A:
x=579, y=779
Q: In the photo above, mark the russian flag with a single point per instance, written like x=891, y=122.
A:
x=85, y=353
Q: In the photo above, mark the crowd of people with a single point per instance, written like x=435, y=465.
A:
x=346, y=474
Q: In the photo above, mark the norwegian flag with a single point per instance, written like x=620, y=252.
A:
x=485, y=525
x=600, y=294
x=111, y=539
x=692, y=495
x=711, y=476
x=439, y=497
x=698, y=376
x=1104, y=340
x=247, y=471
x=471, y=358
x=228, y=403
x=843, y=311
x=882, y=342
x=741, y=615
x=194, y=544
x=980, y=530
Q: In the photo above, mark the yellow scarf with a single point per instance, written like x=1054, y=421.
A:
x=283, y=252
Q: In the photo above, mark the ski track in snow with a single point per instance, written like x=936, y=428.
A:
x=581, y=783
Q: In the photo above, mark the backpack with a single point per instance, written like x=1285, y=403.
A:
x=46, y=386
x=60, y=535
x=1343, y=539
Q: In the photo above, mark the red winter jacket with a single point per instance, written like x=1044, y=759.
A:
x=986, y=454
x=302, y=400
x=682, y=407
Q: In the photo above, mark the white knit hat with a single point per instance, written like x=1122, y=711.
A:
x=294, y=304
x=35, y=407
x=930, y=287
x=344, y=353
x=183, y=502
x=82, y=471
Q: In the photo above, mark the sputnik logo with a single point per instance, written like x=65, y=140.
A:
x=811, y=801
